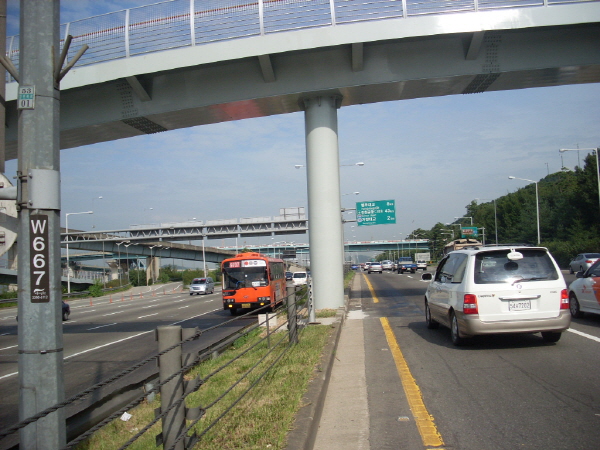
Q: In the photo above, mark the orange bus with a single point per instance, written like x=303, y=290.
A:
x=252, y=280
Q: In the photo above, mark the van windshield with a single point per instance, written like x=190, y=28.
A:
x=495, y=267
x=199, y=281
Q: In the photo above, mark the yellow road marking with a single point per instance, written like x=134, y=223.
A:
x=425, y=424
x=375, y=299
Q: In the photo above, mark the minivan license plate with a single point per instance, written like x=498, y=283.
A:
x=519, y=305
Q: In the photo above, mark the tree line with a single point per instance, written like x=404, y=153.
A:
x=569, y=212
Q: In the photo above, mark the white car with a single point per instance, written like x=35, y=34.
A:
x=387, y=265
x=584, y=292
x=422, y=265
x=493, y=290
x=299, y=278
x=375, y=267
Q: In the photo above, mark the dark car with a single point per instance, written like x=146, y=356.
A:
x=289, y=275
x=66, y=310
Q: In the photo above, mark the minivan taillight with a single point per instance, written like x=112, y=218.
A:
x=564, y=299
x=470, y=304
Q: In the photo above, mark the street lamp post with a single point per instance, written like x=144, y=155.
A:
x=537, y=203
x=465, y=217
x=596, y=151
x=127, y=244
x=67, y=233
x=95, y=198
x=119, y=262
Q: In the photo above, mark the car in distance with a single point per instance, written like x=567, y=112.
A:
x=583, y=262
x=375, y=267
x=490, y=290
x=422, y=265
x=289, y=276
x=300, y=278
x=584, y=292
x=202, y=286
x=366, y=266
x=387, y=265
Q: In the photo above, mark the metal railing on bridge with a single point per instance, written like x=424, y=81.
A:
x=183, y=23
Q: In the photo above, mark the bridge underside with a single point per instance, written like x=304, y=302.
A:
x=143, y=98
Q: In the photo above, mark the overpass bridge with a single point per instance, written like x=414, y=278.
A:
x=184, y=63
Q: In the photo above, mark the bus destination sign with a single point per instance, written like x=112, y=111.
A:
x=377, y=212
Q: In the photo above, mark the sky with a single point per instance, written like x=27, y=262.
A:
x=433, y=156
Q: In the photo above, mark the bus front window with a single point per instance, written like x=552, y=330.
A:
x=236, y=278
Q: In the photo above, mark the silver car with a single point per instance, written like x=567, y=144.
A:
x=202, y=286
x=583, y=262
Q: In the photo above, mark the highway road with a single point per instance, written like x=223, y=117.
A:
x=107, y=335
x=498, y=392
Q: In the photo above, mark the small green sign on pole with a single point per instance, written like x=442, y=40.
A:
x=377, y=212
x=468, y=232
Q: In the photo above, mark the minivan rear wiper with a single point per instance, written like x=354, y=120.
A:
x=529, y=279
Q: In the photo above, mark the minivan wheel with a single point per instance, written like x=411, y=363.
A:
x=431, y=324
x=551, y=336
x=574, y=306
x=454, y=332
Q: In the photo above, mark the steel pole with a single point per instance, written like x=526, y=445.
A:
x=41, y=377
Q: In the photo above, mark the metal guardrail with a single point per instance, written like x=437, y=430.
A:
x=297, y=317
x=182, y=23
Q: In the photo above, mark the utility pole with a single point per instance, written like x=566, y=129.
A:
x=41, y=380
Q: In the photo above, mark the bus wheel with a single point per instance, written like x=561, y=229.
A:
x=233, y=311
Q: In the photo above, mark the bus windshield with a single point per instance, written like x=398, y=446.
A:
x=243, y=277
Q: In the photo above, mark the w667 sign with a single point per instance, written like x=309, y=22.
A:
x=40, y=278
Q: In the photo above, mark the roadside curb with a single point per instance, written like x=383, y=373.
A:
x=306, y=423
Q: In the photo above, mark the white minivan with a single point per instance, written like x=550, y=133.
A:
x=202, y=286
x=498, y=289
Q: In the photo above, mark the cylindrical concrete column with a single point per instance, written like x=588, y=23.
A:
x=324, y=202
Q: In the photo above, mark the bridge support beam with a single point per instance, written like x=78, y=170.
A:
x=324, y=200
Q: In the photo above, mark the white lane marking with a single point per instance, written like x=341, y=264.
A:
x=589, y=336
x=141, y=317
x=112, y=313
x=199, y=315
x=183, y=307
x=149, y=306
x=102, y=326
x=6, y=348
x=90, y=350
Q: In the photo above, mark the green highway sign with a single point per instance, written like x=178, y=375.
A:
x=468, y=232
x=378, y=212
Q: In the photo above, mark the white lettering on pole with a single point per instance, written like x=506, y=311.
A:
x=40, y=279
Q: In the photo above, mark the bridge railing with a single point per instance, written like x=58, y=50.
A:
x=183, y=23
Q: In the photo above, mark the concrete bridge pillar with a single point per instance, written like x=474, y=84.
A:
x=152, y=268
x=324, y=200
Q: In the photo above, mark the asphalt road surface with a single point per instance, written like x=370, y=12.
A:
x=499, y=392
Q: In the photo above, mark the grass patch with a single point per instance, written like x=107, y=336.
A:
x=321, y=313
x=261, y=419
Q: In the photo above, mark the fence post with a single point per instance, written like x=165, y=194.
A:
x=312, y=317
x=173, y=424
x=291, y=314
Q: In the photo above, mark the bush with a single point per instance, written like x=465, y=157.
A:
x=96, y=289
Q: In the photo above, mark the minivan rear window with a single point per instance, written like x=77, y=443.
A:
x=496, y=267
